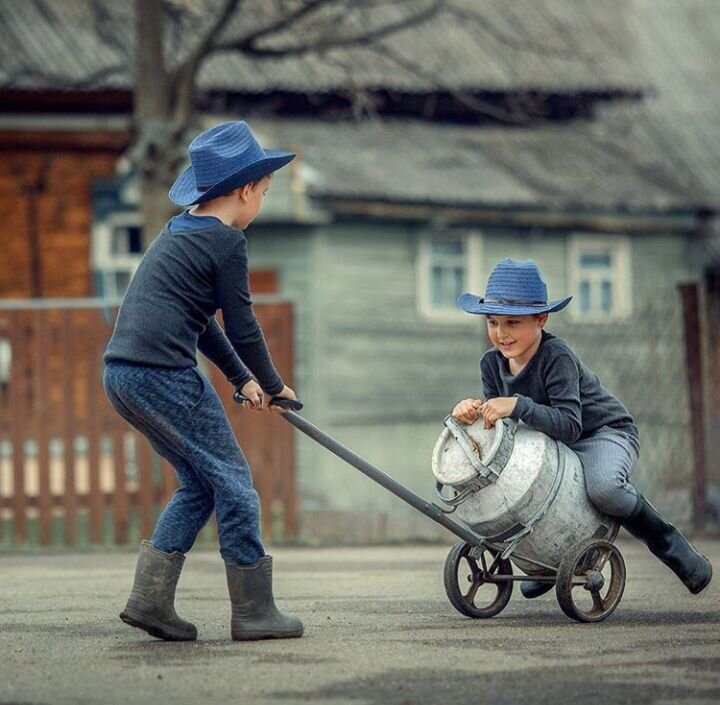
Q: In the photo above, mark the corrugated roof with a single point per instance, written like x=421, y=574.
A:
x=579, y=166
x=660, y=153
x=677, y=126
x=679, y=46
x=471, y=45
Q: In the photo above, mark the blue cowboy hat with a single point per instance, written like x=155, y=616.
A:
x=513, y=289
x=224, y=158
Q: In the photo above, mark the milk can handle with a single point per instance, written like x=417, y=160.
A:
x=469, y=447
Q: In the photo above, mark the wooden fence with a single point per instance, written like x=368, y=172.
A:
x=72, y=471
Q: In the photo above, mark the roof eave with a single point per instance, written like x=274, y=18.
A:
x=524, y=216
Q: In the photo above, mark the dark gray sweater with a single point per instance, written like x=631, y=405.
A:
x=168, y=312
x=556, y=393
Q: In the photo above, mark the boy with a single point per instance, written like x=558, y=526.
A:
x=534, y=377
x=197, y=265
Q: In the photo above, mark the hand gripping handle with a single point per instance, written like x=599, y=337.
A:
x=288, y=404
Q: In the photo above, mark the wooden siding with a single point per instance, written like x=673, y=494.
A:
x=289, y=250
x=386, y=360
x=45, y=197
x=381, y=378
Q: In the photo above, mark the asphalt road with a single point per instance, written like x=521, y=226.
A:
x=379, y=630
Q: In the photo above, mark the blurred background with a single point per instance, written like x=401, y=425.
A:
x=433, y=138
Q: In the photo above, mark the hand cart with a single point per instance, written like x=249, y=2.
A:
x=478, y=573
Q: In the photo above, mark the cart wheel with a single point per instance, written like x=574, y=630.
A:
x=484, y=598
x=590, y=581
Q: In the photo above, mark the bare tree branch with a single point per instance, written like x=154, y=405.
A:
x=175, y=14
x=279, y=26
x=182, y=79
x=363, y=103
x=58, y=78
x=524, y=44
x=105, y=27
x=206, y=41
x=364, y=39
x=102, y=24
x=669, y=181
x=476, y=104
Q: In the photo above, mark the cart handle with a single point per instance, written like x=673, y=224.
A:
x=287, y=404
x=430, y=510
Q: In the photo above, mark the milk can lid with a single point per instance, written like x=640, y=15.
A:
x=450, y=464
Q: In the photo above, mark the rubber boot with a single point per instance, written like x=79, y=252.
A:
x=151, y=605
x=534, y=588
x=254, y=614
x=669, y=545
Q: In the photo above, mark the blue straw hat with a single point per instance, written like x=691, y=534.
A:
x=224, y=158
x=513, y=289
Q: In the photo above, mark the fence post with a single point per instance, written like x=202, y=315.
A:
x=693, y=357
x=19, y=410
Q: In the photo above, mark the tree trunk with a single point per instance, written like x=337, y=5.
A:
x=157, y=169
x=157, y=208
x=156, y=151
x=164, y=93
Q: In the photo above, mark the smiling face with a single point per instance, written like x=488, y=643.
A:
x=516, y=337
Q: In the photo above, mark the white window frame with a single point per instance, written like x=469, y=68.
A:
x=105, y=263
x=472, y=262
x=619, y=249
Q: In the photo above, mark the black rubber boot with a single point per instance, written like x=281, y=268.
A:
x=152, y=601
x=254, y=614
x=534, y=588
x=669, y=545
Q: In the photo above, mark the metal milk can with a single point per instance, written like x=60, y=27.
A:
x=513, y=484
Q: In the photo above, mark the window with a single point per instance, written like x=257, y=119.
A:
x=448, y=266
x=117, y=249
x=600, y=277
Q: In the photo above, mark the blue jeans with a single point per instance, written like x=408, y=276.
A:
x=181, y=415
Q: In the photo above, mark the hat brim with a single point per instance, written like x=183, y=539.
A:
x=474, y=304
x=184, y=191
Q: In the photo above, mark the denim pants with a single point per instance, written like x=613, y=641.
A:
x=181, y=415
x=609, y=457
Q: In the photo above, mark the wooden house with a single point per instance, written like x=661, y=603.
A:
x=608, y=182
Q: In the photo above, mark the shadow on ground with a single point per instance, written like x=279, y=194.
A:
x=559, y=685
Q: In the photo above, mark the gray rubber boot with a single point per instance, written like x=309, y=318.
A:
x=151, y=605
x=254, y=614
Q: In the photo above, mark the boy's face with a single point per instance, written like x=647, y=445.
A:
x=516, y=337
x=251, y=198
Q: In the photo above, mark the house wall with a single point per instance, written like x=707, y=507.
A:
x=380, y=378
x=290, y=252
x=45, y=198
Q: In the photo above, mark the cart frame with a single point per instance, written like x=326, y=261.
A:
x=473, y=546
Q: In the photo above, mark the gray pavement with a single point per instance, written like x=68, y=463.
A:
x=379, y=630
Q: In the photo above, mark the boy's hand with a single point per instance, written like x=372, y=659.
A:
x=286, y=393
x=495, y=409
x=467, y=411
x=253, y=391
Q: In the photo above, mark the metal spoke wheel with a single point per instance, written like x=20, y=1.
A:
x=590, y=581
x=477, y=567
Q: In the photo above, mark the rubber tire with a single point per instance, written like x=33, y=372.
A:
x=458, y=553
x=566, y=572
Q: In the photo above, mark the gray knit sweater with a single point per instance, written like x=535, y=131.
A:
x=168, y=312
x=556, y=393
